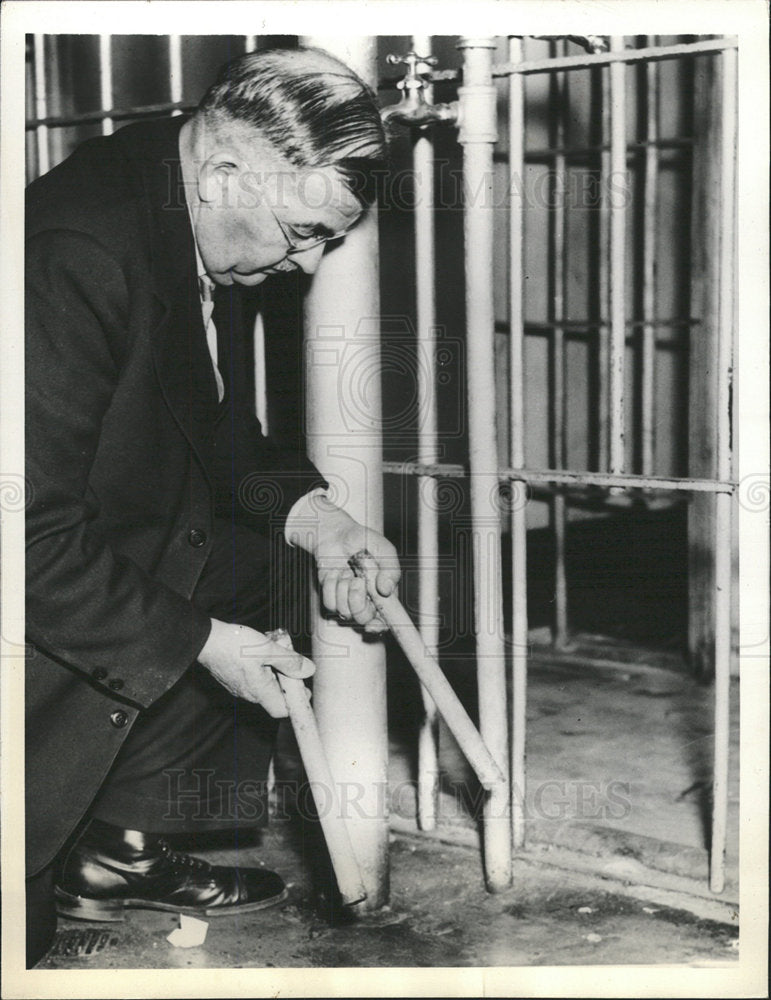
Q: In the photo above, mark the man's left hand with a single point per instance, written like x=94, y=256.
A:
x=335, y=539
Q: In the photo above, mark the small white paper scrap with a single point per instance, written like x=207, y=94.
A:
x=191, y=932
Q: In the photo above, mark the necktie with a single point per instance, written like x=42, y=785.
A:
x=224, y=319
x=206, y=286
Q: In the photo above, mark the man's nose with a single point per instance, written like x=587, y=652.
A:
x=308, y=260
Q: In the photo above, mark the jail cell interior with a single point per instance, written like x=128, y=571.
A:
x=556, y=334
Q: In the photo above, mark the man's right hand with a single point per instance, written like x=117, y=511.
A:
x=243, y=660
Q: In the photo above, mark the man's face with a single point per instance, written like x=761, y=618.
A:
x=248, y=226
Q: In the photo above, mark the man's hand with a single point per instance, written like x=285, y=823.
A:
x=243, y=659
x=333, y=537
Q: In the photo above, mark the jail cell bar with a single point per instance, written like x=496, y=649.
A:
x=428, y=510
x=41, y=106
x=617, y=352
x=612, y=350
x=477, y=135
x=105, y=81
x=44, y=123
x=557, y=265
x=323, y=316
x=723, y=501
x=722, y=486
x=517, y=449
x=650, y=228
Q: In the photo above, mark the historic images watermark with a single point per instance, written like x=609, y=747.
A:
x=196, y=796
x=405, y=189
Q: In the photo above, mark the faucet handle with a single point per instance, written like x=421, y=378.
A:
x=411, y=61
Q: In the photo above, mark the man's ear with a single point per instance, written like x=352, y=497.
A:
x=215, y=175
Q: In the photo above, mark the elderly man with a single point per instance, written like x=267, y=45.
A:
x=153, y=573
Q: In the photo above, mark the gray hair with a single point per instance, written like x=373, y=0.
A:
x=311, y=107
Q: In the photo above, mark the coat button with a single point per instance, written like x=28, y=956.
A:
x=115, y=685
x=197, y=538
x=119, y=719
x=99, y=674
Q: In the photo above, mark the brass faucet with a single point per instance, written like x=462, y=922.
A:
x=414, y=109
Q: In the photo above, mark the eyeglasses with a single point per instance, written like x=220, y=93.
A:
x=298, y=243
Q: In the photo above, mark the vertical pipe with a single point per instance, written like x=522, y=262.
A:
x=603, y=330
x=41, y=106
x=105, y=81
x=619, y=192
x=517, y=405
x=559, y=385
x=478, y=133
x=428, y=518
x=175, y=70
x=342, y=344
x=650, y=228
x=724, y=501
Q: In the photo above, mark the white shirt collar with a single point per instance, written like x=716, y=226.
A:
x=199, y=264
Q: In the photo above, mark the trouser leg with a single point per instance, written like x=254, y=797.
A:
x=41, y=915
x=198, y=758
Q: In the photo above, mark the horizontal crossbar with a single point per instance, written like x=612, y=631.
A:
x=653, y=53
x=608, y=480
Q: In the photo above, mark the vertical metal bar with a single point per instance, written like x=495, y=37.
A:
x=260, y=358
x=559, y=385
x=175, y=71
x=559, y=97
x=478, y=133
x=105, y=81
x=724, y=501
x=603, y=331
x=342, y=334
x=260, y=374
x=619, y=194
x=41, y=106
x=428, y=518
x=650, y=228
x=517, y=405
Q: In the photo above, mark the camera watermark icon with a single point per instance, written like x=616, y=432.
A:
x=383, y=355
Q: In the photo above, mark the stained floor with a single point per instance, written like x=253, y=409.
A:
x=614, y=873
x=439, y=916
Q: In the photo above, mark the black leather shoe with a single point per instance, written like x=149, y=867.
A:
x=110, y=870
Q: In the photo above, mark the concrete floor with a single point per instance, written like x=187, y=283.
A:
x=614, y=871
x=619, y=761
x=439, y=916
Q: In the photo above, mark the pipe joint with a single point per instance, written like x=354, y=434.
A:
x=477, y=119
x=483, y=42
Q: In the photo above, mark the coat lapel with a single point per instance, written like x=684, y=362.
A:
x=182, y=362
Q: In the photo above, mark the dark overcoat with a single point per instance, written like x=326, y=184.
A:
x=119, y=462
